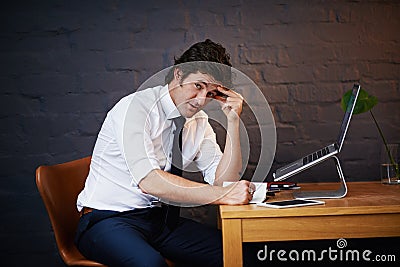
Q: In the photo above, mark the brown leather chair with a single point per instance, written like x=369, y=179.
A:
x=59, y=186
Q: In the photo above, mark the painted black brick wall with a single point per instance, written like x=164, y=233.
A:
x=65, y=63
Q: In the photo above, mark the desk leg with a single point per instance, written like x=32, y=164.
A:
x=232, y=242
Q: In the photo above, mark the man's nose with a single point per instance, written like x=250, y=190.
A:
x=201, y=97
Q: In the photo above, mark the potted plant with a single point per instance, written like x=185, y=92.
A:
x=366, y=102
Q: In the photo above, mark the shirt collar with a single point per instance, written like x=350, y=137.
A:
x=168, y=106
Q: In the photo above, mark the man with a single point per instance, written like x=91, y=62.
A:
x=132, y=169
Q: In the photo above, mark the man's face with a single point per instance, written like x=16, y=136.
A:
x=193, y=93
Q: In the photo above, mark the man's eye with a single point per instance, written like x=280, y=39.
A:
x=198, y=86
x=211, y=94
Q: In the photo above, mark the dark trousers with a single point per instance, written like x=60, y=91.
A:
x=140, y=238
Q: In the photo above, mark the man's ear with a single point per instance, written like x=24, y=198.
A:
x=178, y=75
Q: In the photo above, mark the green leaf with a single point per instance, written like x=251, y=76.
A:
x=364, y=103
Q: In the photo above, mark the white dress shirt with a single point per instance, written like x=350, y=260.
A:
x=136, y=138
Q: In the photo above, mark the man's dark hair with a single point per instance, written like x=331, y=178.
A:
x=205, y=51
x=201, y=53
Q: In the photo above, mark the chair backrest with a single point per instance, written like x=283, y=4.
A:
x=59, y=186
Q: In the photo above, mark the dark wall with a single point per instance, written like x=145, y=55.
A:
x=64, y=64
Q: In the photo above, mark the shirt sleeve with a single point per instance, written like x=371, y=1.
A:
x=135, y=142
x=209, y=155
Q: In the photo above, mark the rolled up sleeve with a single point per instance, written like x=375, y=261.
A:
x=209, y=155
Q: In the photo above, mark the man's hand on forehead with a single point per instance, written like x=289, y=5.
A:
x=220, y=93
x=217, y=90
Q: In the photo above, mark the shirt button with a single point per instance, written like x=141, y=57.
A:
x=170, y=155
x=173, y=132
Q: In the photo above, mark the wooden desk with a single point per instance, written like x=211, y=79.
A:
x=370, y=209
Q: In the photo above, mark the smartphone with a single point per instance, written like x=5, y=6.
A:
x=290, y=203
x=282, y=185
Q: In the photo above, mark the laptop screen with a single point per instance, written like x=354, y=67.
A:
x=347, y=115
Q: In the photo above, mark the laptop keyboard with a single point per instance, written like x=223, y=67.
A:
x=316, y=155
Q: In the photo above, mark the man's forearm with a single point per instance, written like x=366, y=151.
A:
x=172, y=188
x=230, y=166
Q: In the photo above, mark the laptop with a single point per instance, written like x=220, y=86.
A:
x=325, y=152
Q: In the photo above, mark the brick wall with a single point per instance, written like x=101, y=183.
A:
x=65, y=63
